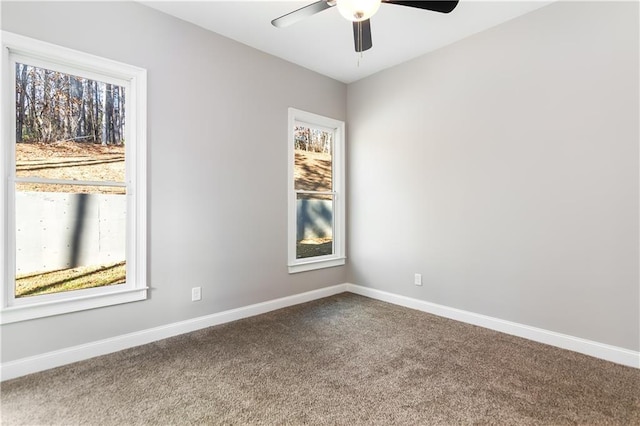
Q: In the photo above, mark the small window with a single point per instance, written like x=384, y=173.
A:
x=316, y=191
x=74, y=155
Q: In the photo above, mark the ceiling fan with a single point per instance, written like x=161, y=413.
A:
x=359, y=12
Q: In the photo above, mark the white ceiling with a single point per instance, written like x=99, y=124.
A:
x=324, y=42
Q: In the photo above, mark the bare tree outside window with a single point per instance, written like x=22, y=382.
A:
x=56, y=107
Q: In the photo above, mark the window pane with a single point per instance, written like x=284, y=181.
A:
x=68, y=127
x=68, y=241
x=314, y=226
x=313, y=159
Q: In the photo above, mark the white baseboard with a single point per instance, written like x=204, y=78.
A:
x=588, y=347
x=24, y=366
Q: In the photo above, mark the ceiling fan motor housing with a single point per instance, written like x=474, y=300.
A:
x=358, y=10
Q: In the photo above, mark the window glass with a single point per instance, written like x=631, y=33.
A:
x=313, y=160
x=68, y=127
x=314, y=231
x=70, y=131
x=313, y=172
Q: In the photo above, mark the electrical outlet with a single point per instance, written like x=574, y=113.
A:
x=417, y=279
x=196, y=293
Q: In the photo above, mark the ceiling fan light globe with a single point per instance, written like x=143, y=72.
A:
x=358, y=10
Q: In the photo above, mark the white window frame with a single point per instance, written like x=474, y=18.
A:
x=134, y=79
x=338, y=257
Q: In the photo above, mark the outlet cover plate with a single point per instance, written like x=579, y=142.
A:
x=196, y=294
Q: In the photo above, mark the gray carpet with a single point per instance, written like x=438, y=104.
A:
x=341, y=360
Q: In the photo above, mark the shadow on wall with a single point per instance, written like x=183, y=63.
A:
x=78, y=228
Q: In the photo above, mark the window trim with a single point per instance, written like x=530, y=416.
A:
x=338, y=258
x=38, y=52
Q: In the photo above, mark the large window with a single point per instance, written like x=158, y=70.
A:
x=73, y=196
x=316, y=191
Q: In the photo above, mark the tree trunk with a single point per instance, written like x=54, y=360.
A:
x=46, y=115
x=107, y=112
x=33, y=104
x=91, y=120
x=82, y=120
x=68, y=117
x=97, y=115
x=120, y=115
x=21, y=93
x=115, y=116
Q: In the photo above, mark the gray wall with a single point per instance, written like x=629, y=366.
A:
x=504, y=168
x=217, y=126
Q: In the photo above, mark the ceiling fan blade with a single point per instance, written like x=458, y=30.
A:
x=362, y=35
x=436, y=6
x=303, y=12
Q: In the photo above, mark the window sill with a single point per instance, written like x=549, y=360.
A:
x=311, y=265
x=45, y=309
